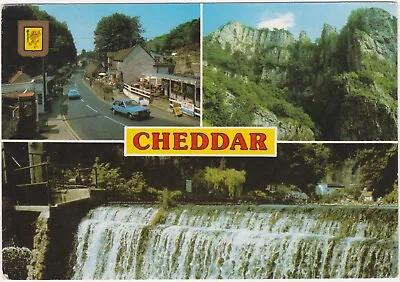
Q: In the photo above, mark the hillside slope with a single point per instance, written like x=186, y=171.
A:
x=184, y=43
x=342, y=87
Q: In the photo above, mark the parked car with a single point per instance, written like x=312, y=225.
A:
x=73, y=94
x=130, y=108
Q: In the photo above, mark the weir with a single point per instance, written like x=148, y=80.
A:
x=234, y=242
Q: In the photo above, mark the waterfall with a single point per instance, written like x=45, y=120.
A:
x=234, y=242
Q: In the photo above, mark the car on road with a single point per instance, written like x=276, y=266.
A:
x=73, y=94
x=130, y=108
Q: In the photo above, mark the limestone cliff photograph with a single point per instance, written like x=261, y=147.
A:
x=316, y=71
x=84, y=211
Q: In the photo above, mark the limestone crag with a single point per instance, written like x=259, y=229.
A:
x=286, y=130
x=374, y=33
x=345, y=81
x=247, y=39
x=363, y=118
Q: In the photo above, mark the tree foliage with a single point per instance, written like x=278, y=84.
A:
x=230, y=101
x=225, y=183
x=186, y=34
x=15, y=262
x=133, y=187
x=298, y=167
x=379, y=169
x=117, y=32
x=61, y=42
x=309, y=82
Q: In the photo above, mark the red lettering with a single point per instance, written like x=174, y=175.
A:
x=136, y=140
x=214, y=141
x=195, y=143
x=157, y=140
x=238, y=140
x=257, y=141
x=178, y=140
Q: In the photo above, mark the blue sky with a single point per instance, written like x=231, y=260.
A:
x=291, y=16
x=156, y=19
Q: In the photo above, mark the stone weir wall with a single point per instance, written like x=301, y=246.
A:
x=50, y=236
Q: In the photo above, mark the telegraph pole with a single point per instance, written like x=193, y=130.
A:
x=44, y=83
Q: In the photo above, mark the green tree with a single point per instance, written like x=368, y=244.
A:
x=15, y=262
x=117, y=32
x=107, y=177
x=184, y=35
x=224, y=183
x=378, y=169
x=61, y=42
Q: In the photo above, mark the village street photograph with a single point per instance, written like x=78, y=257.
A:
x=106, y=67
x=84, y=211
x=316, y=71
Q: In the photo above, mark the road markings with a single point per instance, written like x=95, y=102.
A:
x=64, y=119
x=115, y=121
x=91, y=108
x=82, y=100
x=71, y=129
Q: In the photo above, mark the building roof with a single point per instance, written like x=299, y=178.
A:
x=11, y=95
x=39, y=78
x=19, y=77
x=122, y=54
x=26, y=95
x=183, y=79
x=17, y=94
x=111, y=54
x=153, y=54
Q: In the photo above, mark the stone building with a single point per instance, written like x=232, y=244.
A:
x=130, y=64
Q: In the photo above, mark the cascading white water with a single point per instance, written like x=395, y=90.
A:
x=200, y=242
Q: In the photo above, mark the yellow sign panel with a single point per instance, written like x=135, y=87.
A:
x=203, y=141
x=33, y=38
x=178, y=111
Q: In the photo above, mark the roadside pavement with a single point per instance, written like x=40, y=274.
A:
x=53, y=126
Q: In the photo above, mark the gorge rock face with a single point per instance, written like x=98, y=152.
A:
x=362, y=56
x=363, y=118
x=370, y=114
x=244, y=39
x=272, y=45
x=372, y=32
x=286, y=130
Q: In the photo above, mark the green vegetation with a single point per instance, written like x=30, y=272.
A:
x=184, y=35
x=15, y=262
x=344, y=195
x=296, y=170
x=133, y=187
x=41, y=241
x=221, y=183
x=231, y=102
x=392, y=197
x=61, y=43
x=379, y=171
x=168, y=198
x=117, y=32
x=341, y=87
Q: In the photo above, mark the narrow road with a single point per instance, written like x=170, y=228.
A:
x=90, y=118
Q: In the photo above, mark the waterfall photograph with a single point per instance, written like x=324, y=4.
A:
x=84, y=211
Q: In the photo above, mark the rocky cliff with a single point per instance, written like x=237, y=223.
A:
x=370, y=32
x=346, y=81
x=272, y=45
x=239, y=37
